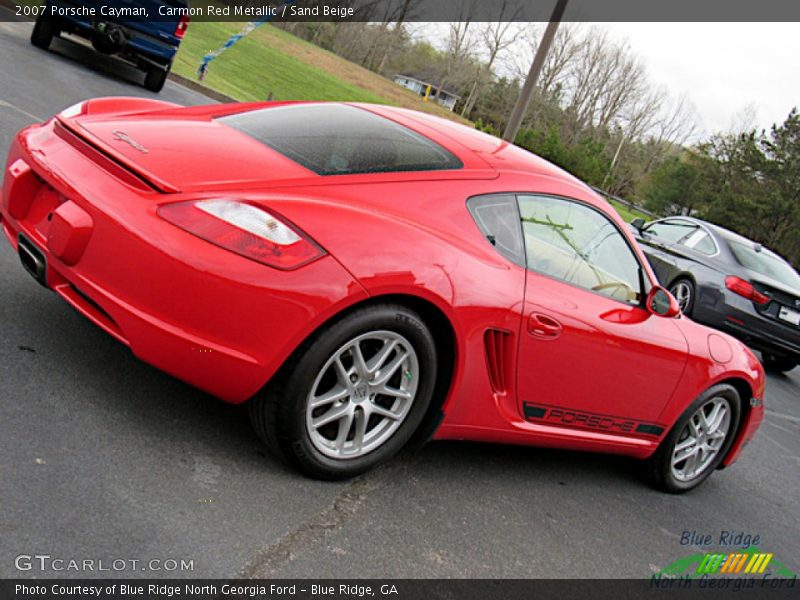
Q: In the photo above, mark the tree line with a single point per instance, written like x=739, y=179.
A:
x=747, y=181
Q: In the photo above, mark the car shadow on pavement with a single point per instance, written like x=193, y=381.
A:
x=547, y=466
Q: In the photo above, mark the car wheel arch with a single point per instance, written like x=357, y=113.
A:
x=673, y=412
x=703, y=281
x=745, y=393
x=688, y=275
x=445, y=337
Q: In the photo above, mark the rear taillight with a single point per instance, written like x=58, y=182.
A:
x=182, y=26
x=744, y=288
x=245, y=229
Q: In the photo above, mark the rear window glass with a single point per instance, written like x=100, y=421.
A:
x=765, y=263
x=336, y=139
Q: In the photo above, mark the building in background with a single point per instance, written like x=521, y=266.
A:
x=429, y=90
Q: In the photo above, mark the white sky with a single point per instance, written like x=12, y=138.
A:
x=733, y=74
x=722, y=68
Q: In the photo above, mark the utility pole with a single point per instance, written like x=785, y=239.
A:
x=515, y=120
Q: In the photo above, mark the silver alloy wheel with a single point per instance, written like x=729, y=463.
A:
x=362, y=394
x=701, y=439
x=683, y=294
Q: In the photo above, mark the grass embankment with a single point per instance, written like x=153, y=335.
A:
x=627, y=213
x=271, y=61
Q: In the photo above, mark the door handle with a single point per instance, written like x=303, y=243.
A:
x=544, y=326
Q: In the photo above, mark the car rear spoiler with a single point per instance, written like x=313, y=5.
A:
x=62, y=126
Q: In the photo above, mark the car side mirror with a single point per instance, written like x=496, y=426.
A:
x=660, y=302
x=638, y=223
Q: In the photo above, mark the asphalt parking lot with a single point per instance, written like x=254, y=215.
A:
x=103, y=457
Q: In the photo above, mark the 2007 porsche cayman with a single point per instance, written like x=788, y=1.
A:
x=367, y=277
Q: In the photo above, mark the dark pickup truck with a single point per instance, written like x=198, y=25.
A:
x=146, y=33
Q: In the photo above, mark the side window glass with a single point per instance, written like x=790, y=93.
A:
x=701, y=242
x=671, y=231
x=579, y=245
x=498, y=219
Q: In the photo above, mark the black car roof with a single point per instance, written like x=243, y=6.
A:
x=727, y=235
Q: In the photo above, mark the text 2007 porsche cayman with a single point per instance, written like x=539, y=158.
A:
x=367, y=277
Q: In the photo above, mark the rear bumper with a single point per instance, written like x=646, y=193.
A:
x=737, y=317
x=211, y=318
x=761, y=340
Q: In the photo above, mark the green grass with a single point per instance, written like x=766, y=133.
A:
x=628, y=214
x=272, y=61
x=253, y=69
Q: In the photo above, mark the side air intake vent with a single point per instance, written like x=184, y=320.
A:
x=498, y=352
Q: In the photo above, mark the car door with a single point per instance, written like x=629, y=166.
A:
x=590, y=355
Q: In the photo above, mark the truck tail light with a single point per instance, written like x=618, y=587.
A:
x=246, y=230
x=182, y=26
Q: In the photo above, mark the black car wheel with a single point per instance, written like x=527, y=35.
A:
x=777, y=363
x=683, y=290
x=354, y=394
x=698, y=442
x=43, y=32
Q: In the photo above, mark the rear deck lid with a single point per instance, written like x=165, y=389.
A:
x=180, y=154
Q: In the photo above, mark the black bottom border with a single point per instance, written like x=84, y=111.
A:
x=394, y=589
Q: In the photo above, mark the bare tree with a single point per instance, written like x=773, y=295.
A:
x=496, y=36
x=558, y=61
x=459, y=44
x=673, y=127
x=404, y=13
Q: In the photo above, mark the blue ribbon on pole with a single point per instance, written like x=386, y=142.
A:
x=202, y=70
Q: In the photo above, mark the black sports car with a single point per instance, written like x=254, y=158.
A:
x=728, y=282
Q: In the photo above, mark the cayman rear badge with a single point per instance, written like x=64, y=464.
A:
x=124, y=137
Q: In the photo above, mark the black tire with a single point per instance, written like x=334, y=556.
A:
x=279, y=412
x=658, y=468
x=686, y=284
x=43, y=32
x=776, y=363
x=155, y=78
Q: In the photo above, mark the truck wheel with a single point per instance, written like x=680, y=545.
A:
x=155, y=78
x=43, y=32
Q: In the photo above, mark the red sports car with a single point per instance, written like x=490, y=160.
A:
x=366, y=278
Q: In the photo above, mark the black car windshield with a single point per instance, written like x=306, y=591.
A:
x=336, y=139
x=765, y=263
